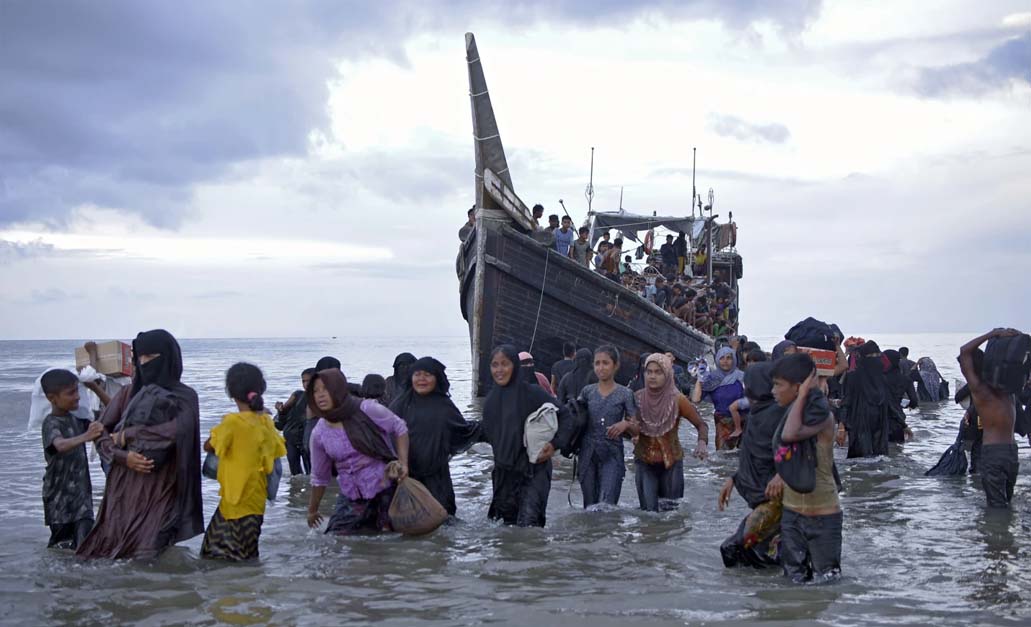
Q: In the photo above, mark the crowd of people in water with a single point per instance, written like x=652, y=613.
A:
x=674, y=276
x=783, y=417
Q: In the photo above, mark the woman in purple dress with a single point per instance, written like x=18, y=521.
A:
x=721, y=387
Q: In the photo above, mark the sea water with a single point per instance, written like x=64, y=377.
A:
x=917, y=550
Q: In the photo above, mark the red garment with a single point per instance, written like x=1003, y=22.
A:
x=543, y=380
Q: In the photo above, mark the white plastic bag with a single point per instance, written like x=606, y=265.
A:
x=540, y=429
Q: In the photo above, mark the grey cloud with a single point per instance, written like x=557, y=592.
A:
x=52, y=295
x=219, y=295
x=734, y=175
x=394, y=270
x=733, y=126
x=130, y=104
x=1006, y=62
x=120, y=294
x=16, y=251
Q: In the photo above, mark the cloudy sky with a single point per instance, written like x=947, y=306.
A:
x=301, y=169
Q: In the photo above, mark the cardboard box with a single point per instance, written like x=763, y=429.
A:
x=114, y=358
x=825, y=360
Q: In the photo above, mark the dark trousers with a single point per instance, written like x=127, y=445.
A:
x=601, y=473
x=298, y=457
x=999, y=467
x=810, y=546
x=521, y=496
x=70, y=535
x=655, y=482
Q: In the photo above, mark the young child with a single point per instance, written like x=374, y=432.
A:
x=810, y=528
x=67, y=491
x=247, y=445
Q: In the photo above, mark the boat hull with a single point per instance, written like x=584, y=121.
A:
x=515, y=290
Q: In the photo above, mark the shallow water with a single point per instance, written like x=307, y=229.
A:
x=916, y=550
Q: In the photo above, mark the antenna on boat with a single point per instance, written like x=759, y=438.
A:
x=566, y=211
x=620, y=197
x=694, y=163
x=589, y=192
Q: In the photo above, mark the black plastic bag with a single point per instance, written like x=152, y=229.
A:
x=795, y=461
x=812, y=333
x=953, y=461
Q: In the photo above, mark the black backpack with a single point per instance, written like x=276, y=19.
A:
x=577, y=412
x=795, y=461
x=812, y=333
x=1007, y=361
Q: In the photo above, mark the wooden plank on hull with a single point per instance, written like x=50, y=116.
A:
x=502, y=194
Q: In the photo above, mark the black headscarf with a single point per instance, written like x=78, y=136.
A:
x=164, y=370
x=893, y=360
x=505, y=410
x=327, y=363
x=637, y=383
x=401, y=364
x=759, y=385
x=363, y=433
x=578, y=378
x=867, y=380
x=436, y=428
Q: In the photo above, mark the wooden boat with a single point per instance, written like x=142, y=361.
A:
x=519, y=290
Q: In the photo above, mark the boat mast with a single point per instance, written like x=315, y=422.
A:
x=589, y=193
x=710, y=223
x=694, y=163
x=487, y=145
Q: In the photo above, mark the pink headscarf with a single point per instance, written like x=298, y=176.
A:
x=659, y=407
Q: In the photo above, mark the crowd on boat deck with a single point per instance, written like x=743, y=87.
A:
x=377, y=439
x=674, y=277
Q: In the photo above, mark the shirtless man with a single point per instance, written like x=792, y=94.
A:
x=999, y=452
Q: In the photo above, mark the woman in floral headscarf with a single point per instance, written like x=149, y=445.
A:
x=658, y=456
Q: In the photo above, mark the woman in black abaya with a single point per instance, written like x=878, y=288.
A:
x=899, y=387
x=152, y=498
x=867, y=404
x=520, y=487
x=436, y=428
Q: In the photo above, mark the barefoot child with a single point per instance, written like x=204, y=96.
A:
x=247, y=445
x=67, y=491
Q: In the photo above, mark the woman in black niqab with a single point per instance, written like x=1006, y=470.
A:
x=582, y=373
x=899, y=386
x=152, y=497
x=867, y=409
x=637, y=383
x=520, y=488
x=397, y=382
x=436, y=431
